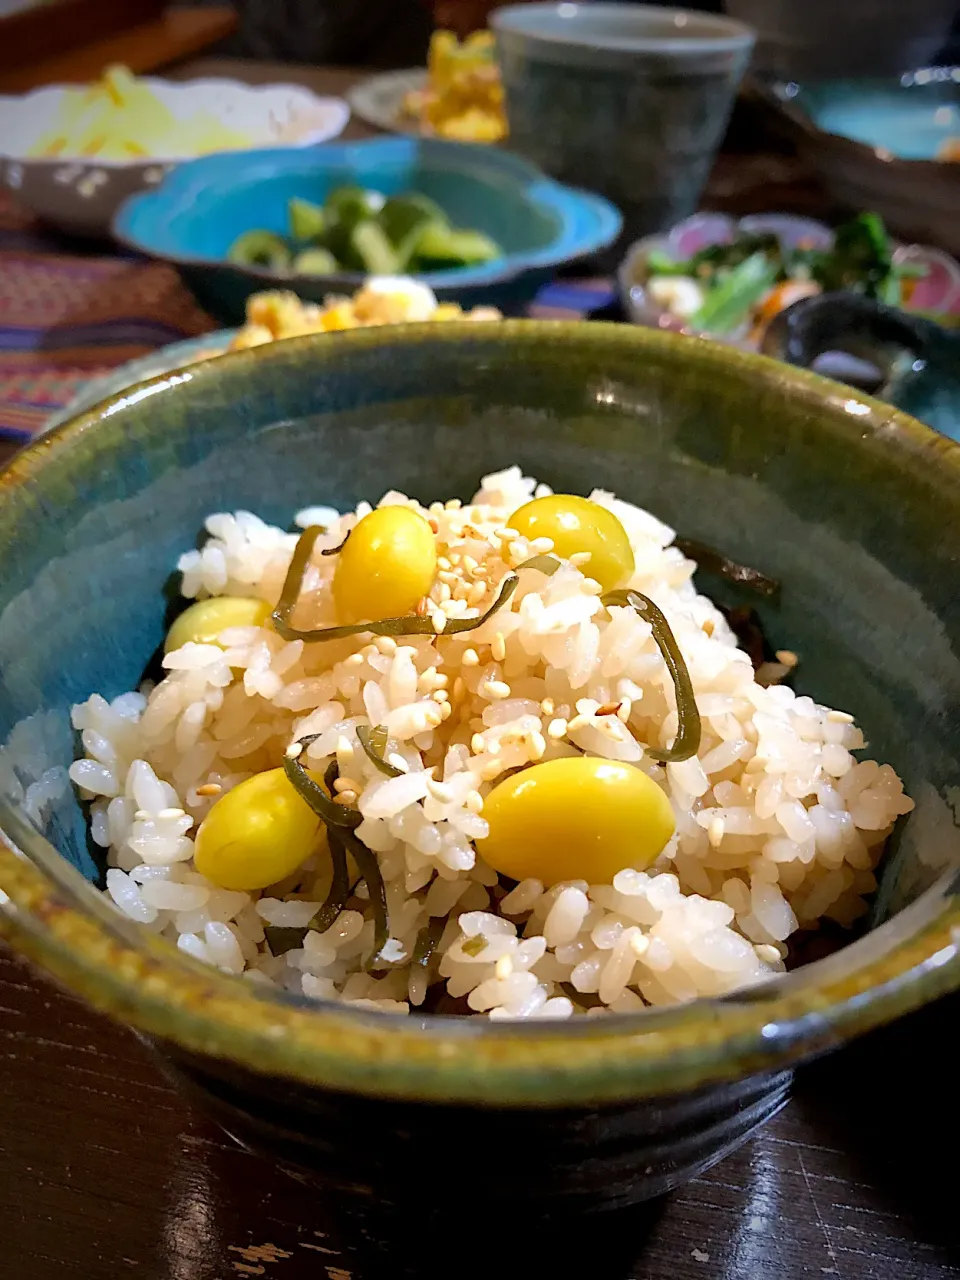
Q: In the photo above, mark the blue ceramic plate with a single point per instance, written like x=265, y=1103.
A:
x=199, y=210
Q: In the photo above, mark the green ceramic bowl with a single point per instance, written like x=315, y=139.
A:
x=853, y=505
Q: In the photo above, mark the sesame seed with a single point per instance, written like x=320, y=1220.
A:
x=578, y=722
x=449, y=579
x=557, y=728
x=354, y=660
x=444, y=592
x=440, y=679
x=623, y=711
x=454, y=558
x=767, y=953
x=639, y=943
x=293, y=750
x=440, y=695
x=491, y=770
x=787, y=657
x=498, y=647
x=538, y=744
x=478, y=744
x=443, y=563
x=446, y=711
x=345, y=798
x=470, y=658
x=421, y=609
x=344, y=747
x=453, y=504
x=435, y=508
x=504, y=967
x=840, y=717
x=715, y=831
x=608, y=709
x=474, y=801
x=581, y=558
x=470, y=564
x=591, y=586
x=347, y=784
x=432, y=716
x=495, y=690
x=541, y=546
x=386, y=645
x=143, y=815
x=171, y=813
x=508, y=534
x=209, y=789
x=477, y=592
x=439, y=621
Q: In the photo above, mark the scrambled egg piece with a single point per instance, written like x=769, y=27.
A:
x=275, y=315
x=121, y=118
x=463, y=99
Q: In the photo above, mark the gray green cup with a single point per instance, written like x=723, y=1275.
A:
x=629, y=100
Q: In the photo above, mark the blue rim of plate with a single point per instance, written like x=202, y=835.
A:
x=164, y=360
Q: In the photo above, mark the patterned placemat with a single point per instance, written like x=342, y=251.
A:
x=69, y=313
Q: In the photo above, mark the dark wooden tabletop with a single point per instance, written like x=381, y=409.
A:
x=106, y=1172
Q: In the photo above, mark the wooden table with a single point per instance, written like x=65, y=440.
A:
x=107, y=1173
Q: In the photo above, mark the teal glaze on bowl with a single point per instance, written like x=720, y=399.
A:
x=855, y=507
x=909, y=117
x=199, y=210
x=631, y=100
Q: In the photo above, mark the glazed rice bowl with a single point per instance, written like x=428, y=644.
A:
x=776, y=824
x=623, y=1008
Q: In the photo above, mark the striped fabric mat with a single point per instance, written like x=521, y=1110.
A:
x=68, y=314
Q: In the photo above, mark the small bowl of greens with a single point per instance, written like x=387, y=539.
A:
x=478, y=225
x=714, y=276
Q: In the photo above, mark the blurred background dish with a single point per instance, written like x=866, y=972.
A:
x=202, y=207
x=820, y=39
x=917, y=278
x=631, y=100
x=74, y=154
x=459, y=96
x=882, y=144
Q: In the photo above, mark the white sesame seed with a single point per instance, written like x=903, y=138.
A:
x=474, y=801
x=446, y=711
x=495, y=690
x=470, y=658
x=715, y=831
x=538, y=744
x=491, y=770
x=547, y=707
x=478, y=744
x=541, y=546
x=443, y=563
x=171, y=813
x=347, y=784
x=443, y=592
x=143, y=815
x=344, y=747
x=398, y=762
x=839, y=717
x=386, y=645
x=453, y=504
x=470, y=564
x=639, y=943
x=440, y=695
x=623, y=711
x=354, y=660
x=432, y=715
x=767, y=953
x=345, y=797
x=293, y=750
x=557, y=728
x=506, y=533
x=498, y=647
x=591, y=586
x=504, y=967
x=580, y=558
x=578, y=722
x=439, y=621
x=209, y=789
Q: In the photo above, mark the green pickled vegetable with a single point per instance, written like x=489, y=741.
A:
x=369, y=869
x=716, y=562
x=259, y=249
x=315, y=262
x=428, y=939
x=403, y=214
x=326, y=809
x=687, y=741
x=413, y=625
x=374, y=743
x=307, y=220
x=371, y=249
x=350, y=205
x=445, y=247
x=731, y=301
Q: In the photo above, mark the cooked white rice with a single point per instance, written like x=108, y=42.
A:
x=777, y=824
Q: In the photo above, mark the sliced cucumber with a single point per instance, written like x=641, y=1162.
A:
x=315, y=262
x=259, y=249
x=307, y=220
